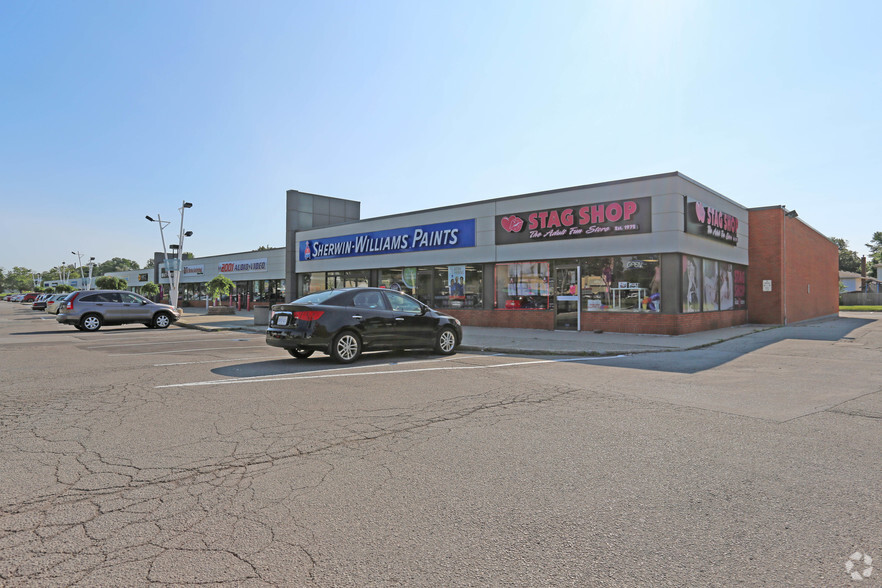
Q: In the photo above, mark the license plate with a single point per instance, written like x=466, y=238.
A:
x=282, y=320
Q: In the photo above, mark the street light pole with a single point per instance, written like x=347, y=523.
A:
x=174, y=275
x=80, y=261
x=91, y=265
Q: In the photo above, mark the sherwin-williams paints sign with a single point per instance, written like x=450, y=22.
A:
x=709, y=222
x=618, y=217
x=449, y=235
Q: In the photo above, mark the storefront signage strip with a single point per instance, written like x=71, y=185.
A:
x=616, y=217
x=708, y=222
x=244, y=265
x=450, y=235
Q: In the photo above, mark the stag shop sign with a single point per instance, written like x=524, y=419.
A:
x=618, y=217
x=450, y=235
x=709, y=222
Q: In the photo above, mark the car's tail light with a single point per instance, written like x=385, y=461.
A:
x=308, y=315
x=71, y=301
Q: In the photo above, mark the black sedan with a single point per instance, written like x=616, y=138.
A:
x=343, y=323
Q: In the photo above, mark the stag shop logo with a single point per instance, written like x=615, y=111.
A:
x=713, y=223
x=512, y=224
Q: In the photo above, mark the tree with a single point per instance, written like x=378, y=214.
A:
x=111, y=283
x=150, y=290
x=62, y=288
x=849, y=261
x=875, y=247
x=20, y=279
x=117, y=264
x=219, y=286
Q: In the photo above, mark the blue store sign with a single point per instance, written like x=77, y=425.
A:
x=450, y=235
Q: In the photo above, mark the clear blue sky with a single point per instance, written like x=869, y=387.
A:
x=113, y=110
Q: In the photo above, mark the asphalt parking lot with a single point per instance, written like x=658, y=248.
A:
x=133, y=456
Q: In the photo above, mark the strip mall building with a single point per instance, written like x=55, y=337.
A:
x=658, y=254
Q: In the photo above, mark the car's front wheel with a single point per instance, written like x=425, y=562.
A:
x=162, y=320
x=346, y=347
x=445, y=342
x=91, y=322
x=300, y=352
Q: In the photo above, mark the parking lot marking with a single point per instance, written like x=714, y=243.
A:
x=335, y=374
x=179, y=351
x=165, y=342
x=288, y=359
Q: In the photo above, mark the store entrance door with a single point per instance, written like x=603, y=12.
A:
x=566, y=298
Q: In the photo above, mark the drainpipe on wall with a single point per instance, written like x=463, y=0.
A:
x=784, y=264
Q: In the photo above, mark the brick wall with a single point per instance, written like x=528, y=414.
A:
x=811, y=272
x=614, y=322
x=766, y=250
x=802, y=264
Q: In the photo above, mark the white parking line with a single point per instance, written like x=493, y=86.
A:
x=159, y=343
x=283, y=358
x=263, y=379
x=180, y=351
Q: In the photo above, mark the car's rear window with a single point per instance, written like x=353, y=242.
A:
x=317, y=297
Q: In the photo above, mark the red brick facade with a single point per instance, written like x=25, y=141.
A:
x=615, y=322
x=802, y=264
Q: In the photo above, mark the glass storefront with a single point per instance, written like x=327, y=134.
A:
x=523, y=285
x=630, y=283
x=710, y=285
x=319, y=281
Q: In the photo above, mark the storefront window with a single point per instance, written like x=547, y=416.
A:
x=193, y=292
x=416, y=281
x=627, y=283
x=691, y=284
x=522, y=285
x=320, y=281
x=710, y=285
x=458, y=286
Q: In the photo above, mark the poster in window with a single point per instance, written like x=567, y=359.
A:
x=691, y=284
x=711, y=288
x=727, y=291
x=456, y=277
x=739, y=287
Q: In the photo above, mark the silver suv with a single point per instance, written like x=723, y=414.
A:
x=89, y=310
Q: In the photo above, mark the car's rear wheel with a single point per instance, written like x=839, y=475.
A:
x=445, y=342
x=346, y=347
x=161, y=320
x=300, y=352
x=91, y=322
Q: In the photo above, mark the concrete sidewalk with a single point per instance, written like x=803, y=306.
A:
x=519, y=341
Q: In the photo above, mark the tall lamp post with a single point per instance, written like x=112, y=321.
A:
x=80, y=262
x=91, y=265
x=173, y=269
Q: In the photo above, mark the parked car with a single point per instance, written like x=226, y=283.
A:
x=52, y=303
x=59, y=304
x=40, y=302
x=29, y=297
x=89, y=310
x=344, y=322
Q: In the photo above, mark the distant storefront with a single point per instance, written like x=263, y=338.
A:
x=259, y=278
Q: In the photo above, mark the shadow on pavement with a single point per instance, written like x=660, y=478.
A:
x=317, y=363
x=698, y=360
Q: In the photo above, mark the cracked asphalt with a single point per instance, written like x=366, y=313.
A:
x=132, y=457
